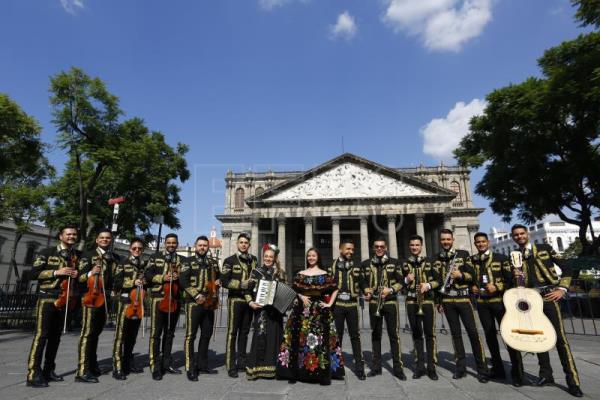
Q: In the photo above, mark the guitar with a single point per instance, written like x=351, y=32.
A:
x=525, y=327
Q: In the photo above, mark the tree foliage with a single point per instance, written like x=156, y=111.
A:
x=110, y=158
x=23, y=192
x=539, y=141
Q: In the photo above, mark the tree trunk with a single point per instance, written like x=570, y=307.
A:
x=13, y=258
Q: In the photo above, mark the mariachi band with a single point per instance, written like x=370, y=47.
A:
x=451, y=282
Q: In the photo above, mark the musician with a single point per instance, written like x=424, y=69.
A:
x=384, y=280
x=51, y=267
x=267, y=332
x=456, y=304
x=539, y=273
x=163, y=269
x=99, y=263
x=236, y=278
x=129, y=274
x=492, y=276
x=195, y=276
x=350, y=282
x=421, y=277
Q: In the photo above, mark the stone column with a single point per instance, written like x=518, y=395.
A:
x=254, y=239
x=420, y=218
x=308, y=233
x=392, y=243
x=364, y=237
x=281, y=243
x=472, y=230
x=335, y=237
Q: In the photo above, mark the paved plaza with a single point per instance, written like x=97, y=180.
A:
x=14, y=348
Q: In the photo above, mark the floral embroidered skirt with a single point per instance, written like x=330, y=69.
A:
x=310, y=350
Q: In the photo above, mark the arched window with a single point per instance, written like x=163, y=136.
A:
x=239, y=198
x=259, y=190
x=455, y=187
x=30, y=253
x=559, y=243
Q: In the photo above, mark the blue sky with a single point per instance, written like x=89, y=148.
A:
x=253, y=84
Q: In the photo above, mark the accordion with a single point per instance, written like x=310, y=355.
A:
x=276, y=294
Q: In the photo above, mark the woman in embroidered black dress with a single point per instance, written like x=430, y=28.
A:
x=310, y=350
x=268, y=322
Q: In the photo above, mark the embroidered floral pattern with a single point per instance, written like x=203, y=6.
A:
x=310, y=339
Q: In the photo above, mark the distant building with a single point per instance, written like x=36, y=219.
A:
x=348, y=197
x=551, y=230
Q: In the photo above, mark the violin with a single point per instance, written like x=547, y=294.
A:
x=135, y=309
x=168, y=303
x=67, y=298
x=95, y=295
x=212, y=292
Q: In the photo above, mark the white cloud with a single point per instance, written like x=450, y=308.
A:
x=72, y=6
x=345, y=27
x=443, y=25
x=442, y=135
x=269, y=5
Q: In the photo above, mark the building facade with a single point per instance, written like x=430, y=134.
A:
x=559, y=234
x=347, y=197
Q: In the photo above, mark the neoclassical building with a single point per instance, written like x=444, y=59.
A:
x=347, y=197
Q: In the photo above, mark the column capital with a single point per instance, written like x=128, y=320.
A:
x=281, y=220
x=308, y=220
x=364, y=219
x=420, y=217
x=335, y=220
x=473, y=228
x=226, y=233
x=391, y=218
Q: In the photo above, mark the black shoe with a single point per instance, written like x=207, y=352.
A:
x=517, y=382
x=498, y=375
x=119, y=375
x=207, y=371
x=233, y=373
x=192, y=376
x=52, y=377
x=544, y=381
x=432, y=375
x=360, y=374
x=482, y=378
x=172, y=370
x=418, y=374
x=374, y=372
x=459, y=374
x=400, y=375
x=38, y=381
x=575, y=390
x=86, y=378
x=157, y=375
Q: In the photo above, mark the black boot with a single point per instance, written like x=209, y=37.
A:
x=119, y=375
x=37, y=381
x=192, y=376
x=50, y=376
x=88, y=377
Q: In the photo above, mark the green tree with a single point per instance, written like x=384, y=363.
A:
x=23, y=193
x=109, y=158
x=588, y=12
x=539, y=141
x=574, y=249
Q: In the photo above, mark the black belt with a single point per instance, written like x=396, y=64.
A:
x=457, y=293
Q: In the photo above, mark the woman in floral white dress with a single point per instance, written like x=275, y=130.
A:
x=310, y=350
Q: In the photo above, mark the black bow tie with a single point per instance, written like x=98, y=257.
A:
x=415, y=260
x=526, y=252
x=245, y=257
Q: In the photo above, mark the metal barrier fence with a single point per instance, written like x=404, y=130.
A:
x=581, y=310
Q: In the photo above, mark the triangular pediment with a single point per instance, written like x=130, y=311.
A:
x=349, y=177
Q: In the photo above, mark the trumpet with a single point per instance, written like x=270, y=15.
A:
x=419, y=294
x=379, y=292
x=448, y=281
